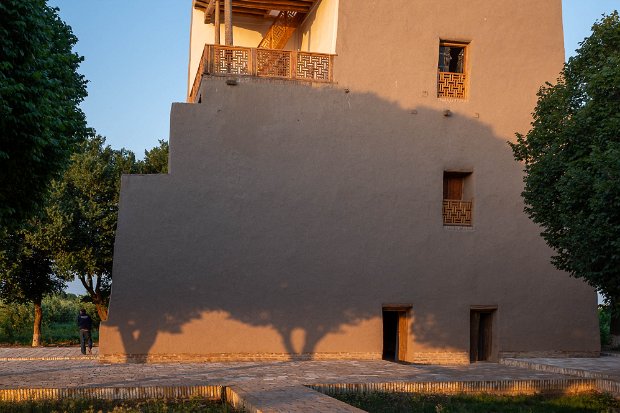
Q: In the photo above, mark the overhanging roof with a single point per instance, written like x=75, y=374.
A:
x=257, y=7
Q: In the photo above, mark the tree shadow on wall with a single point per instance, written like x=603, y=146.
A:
x=301, y=210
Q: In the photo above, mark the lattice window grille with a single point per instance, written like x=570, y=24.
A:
x=457, y=212
x=451, y=85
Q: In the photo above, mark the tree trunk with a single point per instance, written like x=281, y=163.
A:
x=95, y=295
x=102, y=310
x=38, y=317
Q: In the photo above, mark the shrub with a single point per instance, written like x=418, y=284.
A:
x=59, y=320
x=604, y=320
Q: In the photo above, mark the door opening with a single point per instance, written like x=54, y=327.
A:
x=395, y=328
x=481, y=335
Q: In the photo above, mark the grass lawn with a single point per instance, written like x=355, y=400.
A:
x=57, y=334
x=127, y=406
x=426, y=403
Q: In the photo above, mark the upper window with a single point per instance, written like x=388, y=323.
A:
x=452, y=68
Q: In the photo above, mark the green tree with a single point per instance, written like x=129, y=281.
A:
x=572, y=164
x=82, y=217
x=40, y=92
x=27, y=273
x=83, y=212
x=155, y=160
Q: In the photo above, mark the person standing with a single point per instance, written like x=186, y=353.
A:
x=85, y=324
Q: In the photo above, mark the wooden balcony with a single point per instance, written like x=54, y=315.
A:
x=220, y=60
x=457, y=213
x=451, y=85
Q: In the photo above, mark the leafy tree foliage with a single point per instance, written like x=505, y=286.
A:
x=27, y=273
x=156, y=160
x=40, y=90
x=83, y=212
x=572, y=164
x=82, y=216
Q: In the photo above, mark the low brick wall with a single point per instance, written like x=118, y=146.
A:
x=554, y=369
x=205, y=358
x=506, y=387
x=604, y=382
x=443, y=358
x=114, y=393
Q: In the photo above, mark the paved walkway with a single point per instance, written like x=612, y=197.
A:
x=45, y=353
x=272, y=386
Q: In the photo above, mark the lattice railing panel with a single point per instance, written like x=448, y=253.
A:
x=273, y=63
x=457, y=212
x=246, y=61
x=232, y=60
x=451, y=85
x=313, y=66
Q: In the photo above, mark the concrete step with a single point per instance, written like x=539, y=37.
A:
x=261, y=398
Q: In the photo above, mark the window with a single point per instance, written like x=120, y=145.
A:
x=457, y=204
x=452, y=68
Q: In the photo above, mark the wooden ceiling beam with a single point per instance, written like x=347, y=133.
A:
x=269, y=6
x=302, y=6
x=256, y=8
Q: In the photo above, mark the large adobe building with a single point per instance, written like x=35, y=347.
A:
x=345, y=191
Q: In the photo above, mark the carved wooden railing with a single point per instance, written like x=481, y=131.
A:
x=451, y=85
x=249, y=61
x=457, y=213
x=193, y=94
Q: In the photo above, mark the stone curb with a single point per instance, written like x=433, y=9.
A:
x=295, y=399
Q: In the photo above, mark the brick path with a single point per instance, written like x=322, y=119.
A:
x=45, y=353
x=261, y=386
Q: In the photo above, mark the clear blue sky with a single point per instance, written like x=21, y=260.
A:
x=136, y=55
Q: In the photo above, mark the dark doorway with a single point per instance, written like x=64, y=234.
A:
x=390, y=335
x=394, y=334
x=481, y=335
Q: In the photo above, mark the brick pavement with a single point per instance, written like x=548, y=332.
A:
x=45, y=353
x=261, y=386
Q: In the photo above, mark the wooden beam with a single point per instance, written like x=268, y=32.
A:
x=282, y=5
x=217, y=23
x=210, y=8
x=228, y=22
x=258, y=8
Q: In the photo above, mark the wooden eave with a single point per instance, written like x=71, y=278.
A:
x=257, y=8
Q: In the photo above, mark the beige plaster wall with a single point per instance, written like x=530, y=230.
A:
x=293, y=213
x=247, y=32
x=319, y=31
